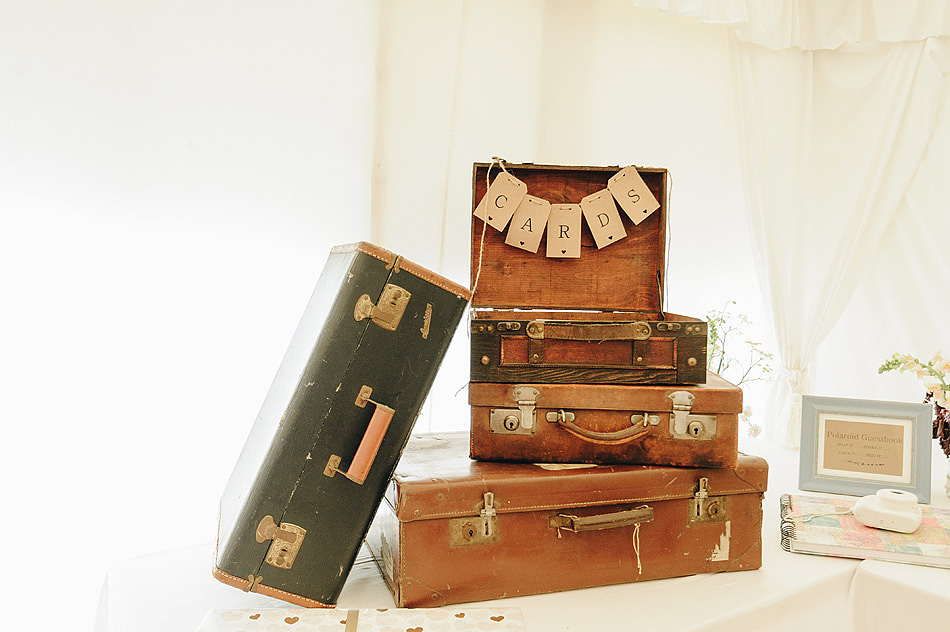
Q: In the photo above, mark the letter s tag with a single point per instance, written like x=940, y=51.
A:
x=632, y=194
x=603, y=218
x=503, y=197
x=527, y=224
x=564, y=231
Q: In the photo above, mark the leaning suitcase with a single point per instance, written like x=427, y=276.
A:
x=333, y=424
x=687, y=425
x=453, y=530
x=596, y=318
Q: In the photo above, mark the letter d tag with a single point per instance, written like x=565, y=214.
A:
x=603, y=218
x=527, y=224
x=632, y=194
x=503, y=197
x=564, y=231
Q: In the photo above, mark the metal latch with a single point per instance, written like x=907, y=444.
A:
x=684, y=424
x=516, y=421
x=480, y=530
x=559, y=416
x=702, y=508
x=287, y=539
x=388, y=312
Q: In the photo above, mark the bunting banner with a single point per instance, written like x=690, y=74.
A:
x=507, y=204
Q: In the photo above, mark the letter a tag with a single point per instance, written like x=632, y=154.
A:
x=527, y=224
x=564, y=231
x=503, y=197
x=632, y=194
x=603, y=218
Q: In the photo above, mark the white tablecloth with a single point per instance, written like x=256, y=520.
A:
x=173, y=590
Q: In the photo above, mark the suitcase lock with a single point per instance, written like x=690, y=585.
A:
x=702, y=508
x=519, y=421
x=684, y=424
x=388, y=311
x=476, y=530
x=286, y=541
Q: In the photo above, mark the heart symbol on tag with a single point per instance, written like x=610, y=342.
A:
x=563, y=252
x=498, y=618
x=291, y=620
x=521, y=242
x=610, y=236
x=255, y=616
x=490, y=218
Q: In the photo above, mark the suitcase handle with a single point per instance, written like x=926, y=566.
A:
x=600, y=522
x=368, y=448
x=564, y=421
x=596, y=332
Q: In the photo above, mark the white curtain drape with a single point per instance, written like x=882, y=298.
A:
x=837, y=102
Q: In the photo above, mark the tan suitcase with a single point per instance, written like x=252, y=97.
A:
x=452, y=530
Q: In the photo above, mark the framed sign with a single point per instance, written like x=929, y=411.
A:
x=856, y=446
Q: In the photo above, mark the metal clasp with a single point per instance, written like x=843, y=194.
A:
x=286, y=541
x=480, y=530
x=516, y=421
x=702, y=508
x=684, y=424
x=388, y=311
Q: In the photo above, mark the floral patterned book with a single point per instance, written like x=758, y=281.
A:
x=365, y=620
x=825, y=526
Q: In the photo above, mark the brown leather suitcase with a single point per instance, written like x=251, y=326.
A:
x=452, y=530
x=597, y=318
x=692, y=425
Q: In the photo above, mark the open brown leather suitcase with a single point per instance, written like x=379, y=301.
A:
x=686, y=425
x=596, y=318
x=333, y=424
x=453, y=530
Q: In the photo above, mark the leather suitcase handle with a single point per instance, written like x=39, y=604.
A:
x=369, y=445
x=595, y=332
x=600, y=522
x=617, y=436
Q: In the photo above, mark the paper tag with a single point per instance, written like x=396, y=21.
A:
x=527, y=224
x=603, y=218
x=564, y=231
x=503, y=197
x=632, y=194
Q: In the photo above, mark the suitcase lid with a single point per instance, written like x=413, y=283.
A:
x=628, y=275
x=715, y=396
x=436, y=479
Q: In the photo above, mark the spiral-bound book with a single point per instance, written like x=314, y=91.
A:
x=825, y=526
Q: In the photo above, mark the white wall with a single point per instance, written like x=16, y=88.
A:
x=172, y=175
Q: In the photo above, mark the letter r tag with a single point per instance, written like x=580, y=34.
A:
x=527, y=224
x=603, y=218
x=503, y=197
x=632, y=194
x=564, y=231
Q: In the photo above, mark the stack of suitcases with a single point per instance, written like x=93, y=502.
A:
x=601, y=451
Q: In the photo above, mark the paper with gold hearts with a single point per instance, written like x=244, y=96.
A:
x=528, y=222
x=603, y=218
x=448, y=619
x=632, y=194
x=502, y=199
x=564, y=231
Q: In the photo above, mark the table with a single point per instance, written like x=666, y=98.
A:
x=173, y=590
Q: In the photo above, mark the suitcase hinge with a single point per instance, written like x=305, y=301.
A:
x=684, y=424
x=388, y=311
x=702, y=508
x=286, y=541
x=520, y=421
x=480, y=530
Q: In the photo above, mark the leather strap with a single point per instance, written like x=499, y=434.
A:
x=600, y=522
x=556, y=330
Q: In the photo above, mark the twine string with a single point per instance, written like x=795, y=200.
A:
x=481, y=244
x=636, y=547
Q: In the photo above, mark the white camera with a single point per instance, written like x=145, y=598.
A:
x=890, y=509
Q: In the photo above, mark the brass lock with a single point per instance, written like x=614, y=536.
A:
x=287, y=539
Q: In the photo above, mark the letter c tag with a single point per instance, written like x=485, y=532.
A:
x=527, y=224
x=632, y=194
x=499, y=203
x=603, y=218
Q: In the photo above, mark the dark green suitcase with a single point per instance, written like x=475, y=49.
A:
x=333, y=424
